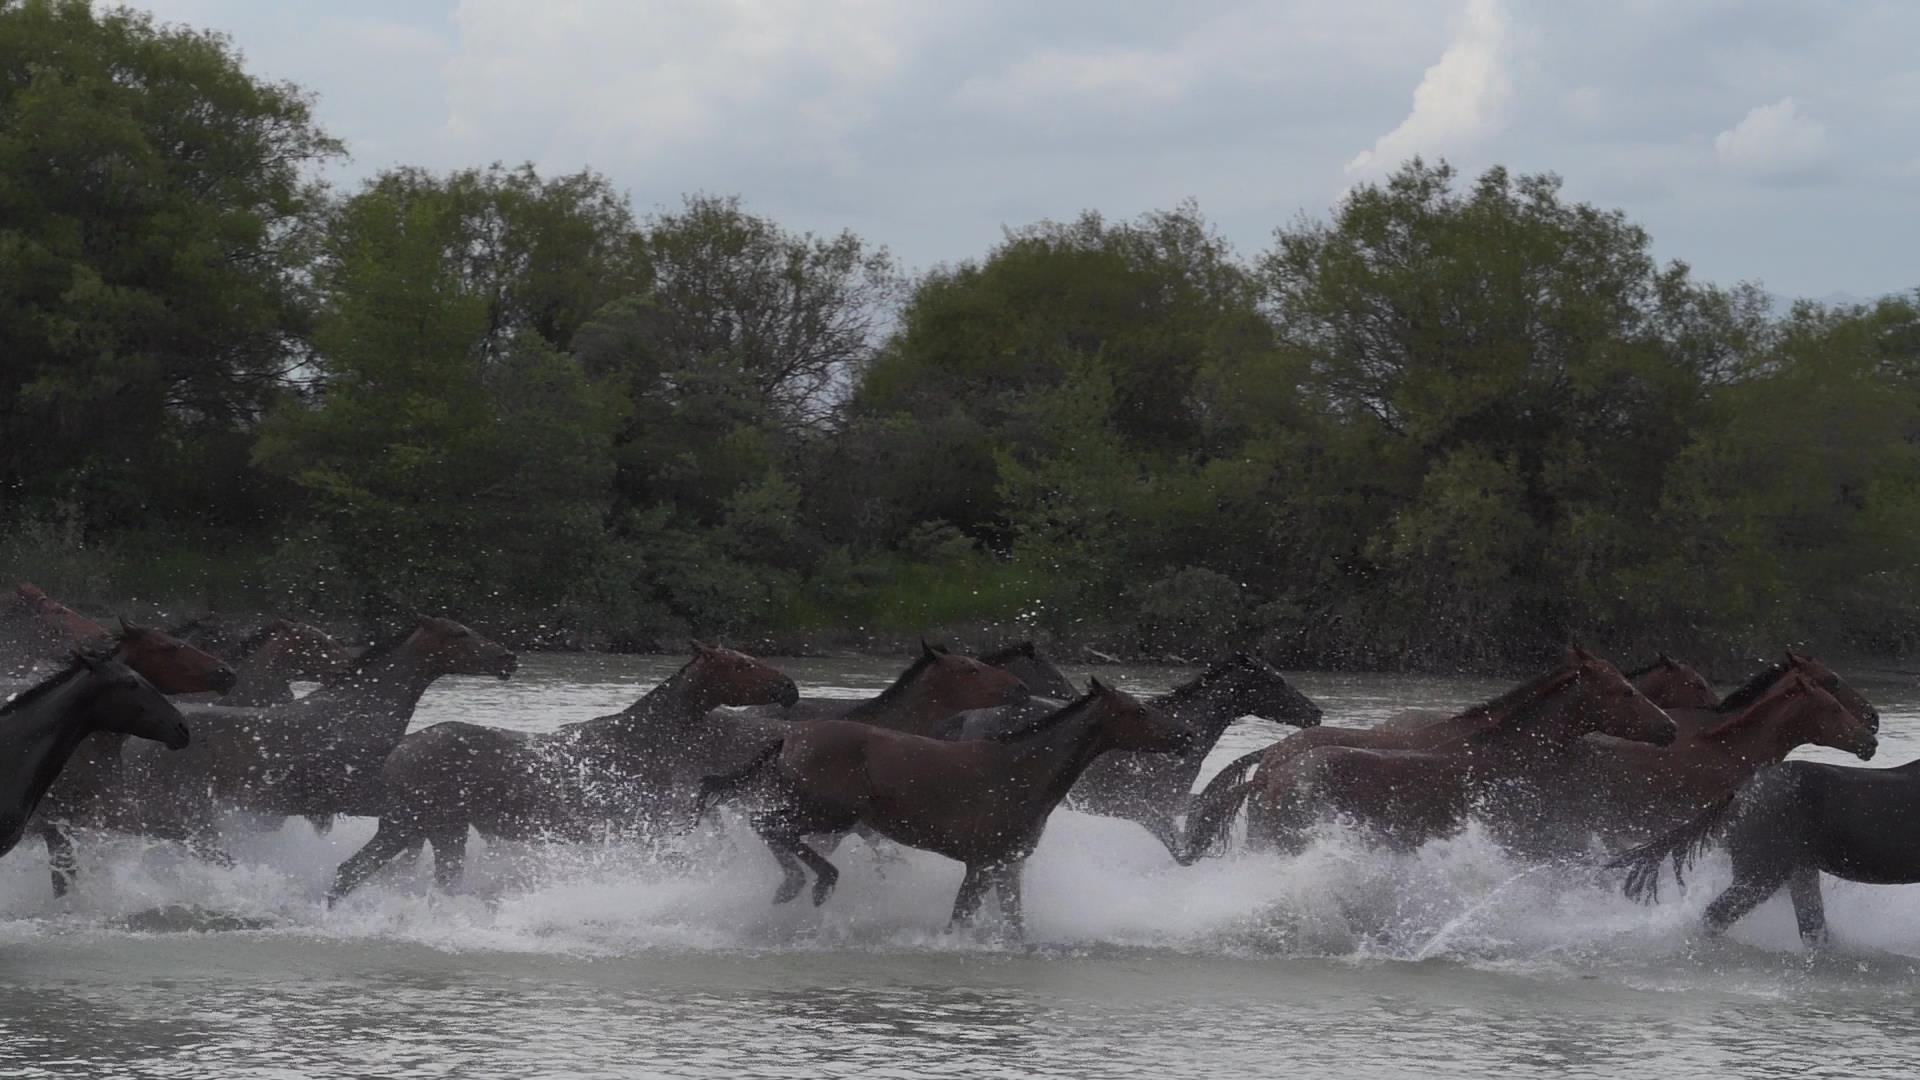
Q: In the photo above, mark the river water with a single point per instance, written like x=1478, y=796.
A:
x=623, y=962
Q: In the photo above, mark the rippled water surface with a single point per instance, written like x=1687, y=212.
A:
x=628, y=962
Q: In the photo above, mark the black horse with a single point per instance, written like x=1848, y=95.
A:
x=40, y=728
x=1784, y=827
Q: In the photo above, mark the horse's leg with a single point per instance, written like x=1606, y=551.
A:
x=1006, y=882
x=322, y=823
x=1164, y=830
x=1753, y=882
x=781, y=841
x=826, y=875
x=449, y=854
x=60, y=860
x=1808, y=910
x=388, y=840
x=966, y=902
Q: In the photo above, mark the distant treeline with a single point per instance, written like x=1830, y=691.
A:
x=1456, y=423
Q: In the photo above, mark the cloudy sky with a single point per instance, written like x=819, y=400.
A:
x=1757, y=140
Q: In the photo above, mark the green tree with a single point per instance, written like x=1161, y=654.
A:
x=156, y=221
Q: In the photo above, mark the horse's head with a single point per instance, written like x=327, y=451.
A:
x=1132, y=724
x=1026, y=663
x=725, y=677
x=1608, y=704
x=1820, y=718
x=303, y=651
x=171, y=665
x=119, y=699
x=1823, y=676
x=959, y=682
x=448, y=648
x=1671, y=684
x=1249, y=686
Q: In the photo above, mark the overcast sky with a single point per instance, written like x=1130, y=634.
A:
x=1756, y=140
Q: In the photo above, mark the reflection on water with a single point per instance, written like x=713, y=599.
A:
x=609, y=961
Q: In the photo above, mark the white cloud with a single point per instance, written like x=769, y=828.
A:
x=610, y=78
x=1774, y=138
x=1460, y=100
x=1116, y=77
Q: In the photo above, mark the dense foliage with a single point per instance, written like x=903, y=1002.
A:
x=1454, y=423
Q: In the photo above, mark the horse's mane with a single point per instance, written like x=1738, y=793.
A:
x=1659, y=662
x=48, y=685
x=1044, y=723
x=1209, y=675
x=382, y=649
x=250, y=644
x=899, y=685
x=1753, y=689
x=1747, y=716
x=1514, y=697
x=1016, y=651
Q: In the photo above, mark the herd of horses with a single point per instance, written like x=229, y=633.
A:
x=963, y=756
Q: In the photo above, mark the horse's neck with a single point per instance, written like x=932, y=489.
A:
x=36, y=743
x=1759, y=740
x=1052, y=760
x=912, y=709
x=1207, y=711
x=261, y=679
x=390, y=690
x=673, y=702
x=1533, y=731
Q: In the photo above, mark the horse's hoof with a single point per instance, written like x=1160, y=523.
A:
x=789, y=889
x=821, y=890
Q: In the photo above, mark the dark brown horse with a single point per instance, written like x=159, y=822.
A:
x=1153, y=788
x=982, y=802
x=172, y=667
x=41, y=727
x=920, y=701
x=1787, y=825
x=1026, y=664
x=1756, y=687
x=607, y=775
x=268, y=660
x=315, y=757
x=1619, y=789
x=1405, y=798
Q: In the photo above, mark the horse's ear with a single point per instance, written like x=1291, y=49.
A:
x=1573, y=655
x=701, y=648
x=126, y=627
x=1794, y=658
x=1666, y=661
x=1095, y=686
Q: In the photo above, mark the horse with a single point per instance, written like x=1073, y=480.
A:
x=316, y=757
x=1408, y=797
x=1666, y=682
x=41, y=628
x=267, y=661
x=41, y=726
x=920, y=701
x=1614, y=787
x=1761, y=681
x=1784, y=827
x=570, y=785
x=1152, y=788
x=982, y=802
x=1026, y=664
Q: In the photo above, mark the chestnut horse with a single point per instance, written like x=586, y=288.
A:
x=920, y=701
x=1756, y=687
x=41, y=628
x=1408, y=797
x=41, y=727
x=1666, y=682
x=586, y=780
x=1152, y=788
x=982, y=802
x=1617, y=788
x=1783, y=828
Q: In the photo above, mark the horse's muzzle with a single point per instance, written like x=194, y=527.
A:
x=506, y=666
x=178, y=738
x=224, y=679
x=788, y=697
x=1867, y=748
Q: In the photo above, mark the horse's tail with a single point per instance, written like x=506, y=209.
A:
x=720, y=785
x=1211, y=812
x=1683, y=845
